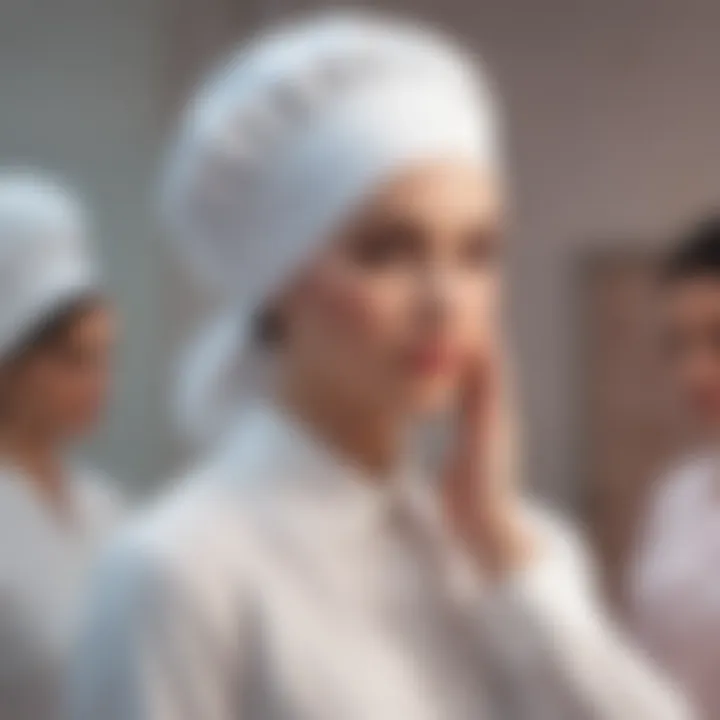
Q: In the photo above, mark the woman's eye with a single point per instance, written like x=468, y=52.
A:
x=480, y=249
x=386, y=247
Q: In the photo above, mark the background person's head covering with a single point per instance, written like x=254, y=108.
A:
x=282, y=144
x=44, y=259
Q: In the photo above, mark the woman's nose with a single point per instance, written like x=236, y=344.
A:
x=439, y=294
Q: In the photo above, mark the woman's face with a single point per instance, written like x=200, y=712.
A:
x=691, y=332
x=388, y=314
x=59, y=385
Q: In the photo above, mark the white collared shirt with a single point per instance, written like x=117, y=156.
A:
x=44, y=564
x=675, y=580
x=280, y=584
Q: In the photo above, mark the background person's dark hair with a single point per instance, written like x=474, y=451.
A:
x=696, y=253
x=51, y=329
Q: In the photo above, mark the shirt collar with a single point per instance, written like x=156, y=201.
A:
x=279, y=448
x=20, y=494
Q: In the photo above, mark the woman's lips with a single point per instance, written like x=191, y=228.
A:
x=431, y=360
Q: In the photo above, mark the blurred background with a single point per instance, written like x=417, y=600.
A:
x=613, y=113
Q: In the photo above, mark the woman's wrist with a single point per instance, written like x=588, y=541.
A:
x=502, y=542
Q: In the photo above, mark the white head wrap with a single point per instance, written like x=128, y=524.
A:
x=283, y=143
x=44, y=261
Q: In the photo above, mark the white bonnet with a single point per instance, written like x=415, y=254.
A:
x=283, y=142
x=44, y=258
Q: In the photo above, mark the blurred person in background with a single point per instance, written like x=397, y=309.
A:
x=56, y=332
x=675, y=583
x=340, y=180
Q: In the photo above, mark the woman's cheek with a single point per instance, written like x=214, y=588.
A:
x=482, y=311
x=355, y=307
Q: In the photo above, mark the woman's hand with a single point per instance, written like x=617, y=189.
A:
x=480, y=484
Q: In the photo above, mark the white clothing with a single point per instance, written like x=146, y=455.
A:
x=280, y=583
x=675, y=582
x=44, y=562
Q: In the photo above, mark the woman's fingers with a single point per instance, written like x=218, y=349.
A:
x=480, y=484
x=472, y=461
x=465, y=472
x=476, y=388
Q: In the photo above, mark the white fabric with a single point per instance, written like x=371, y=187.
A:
x=290, y=136
x=675, y=582
x=43, y=572
x=282, y=583
x=44, y=259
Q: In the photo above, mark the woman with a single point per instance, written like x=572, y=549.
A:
x=674, y=585
x=55, y=336
x=340, y=180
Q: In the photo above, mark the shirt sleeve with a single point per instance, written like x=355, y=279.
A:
x=580, y=662
x=663, y=541
x=153, y=647
x=29, y=663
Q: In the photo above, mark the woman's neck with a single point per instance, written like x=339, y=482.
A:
x=372, y=438
x=37, y=456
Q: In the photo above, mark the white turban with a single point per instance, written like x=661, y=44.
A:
x=44, y=261
x=283, y=143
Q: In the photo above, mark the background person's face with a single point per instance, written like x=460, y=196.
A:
x=691, y=333
x=60, y=387
x=387, y=315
